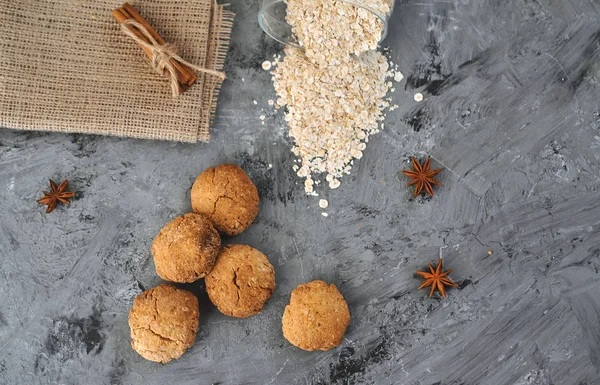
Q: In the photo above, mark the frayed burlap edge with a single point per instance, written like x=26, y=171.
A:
x=221, y=26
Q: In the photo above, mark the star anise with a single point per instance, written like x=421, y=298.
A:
x=58, y=194
x=422, y=176
x=436, y=279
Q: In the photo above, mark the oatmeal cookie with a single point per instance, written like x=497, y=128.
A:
x=186, y=248
x=227, y=196
x=163, y=323
x=241, y=281
x=317, y=317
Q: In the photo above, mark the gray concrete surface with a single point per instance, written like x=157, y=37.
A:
x=511, y=111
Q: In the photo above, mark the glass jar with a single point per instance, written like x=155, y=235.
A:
x=271, y=18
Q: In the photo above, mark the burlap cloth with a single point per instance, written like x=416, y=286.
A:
x=66, y=66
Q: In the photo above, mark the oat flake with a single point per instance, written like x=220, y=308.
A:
x=266, y=65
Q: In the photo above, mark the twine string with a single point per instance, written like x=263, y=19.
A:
x=162, y=54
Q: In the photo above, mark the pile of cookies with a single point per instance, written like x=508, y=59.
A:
x=238, y=278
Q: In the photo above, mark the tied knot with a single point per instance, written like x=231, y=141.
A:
x=163, y=55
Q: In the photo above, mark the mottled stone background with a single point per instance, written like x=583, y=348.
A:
x=511, y=110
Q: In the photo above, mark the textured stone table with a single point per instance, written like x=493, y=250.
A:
x=510, y=110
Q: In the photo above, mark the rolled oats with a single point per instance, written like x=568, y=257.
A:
x=334, y=88
x=326, y=27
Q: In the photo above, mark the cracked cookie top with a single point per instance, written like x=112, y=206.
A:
x=227, y=196
x=186, y=248
x=163, y=323
x=317, y=317
x=241, y=281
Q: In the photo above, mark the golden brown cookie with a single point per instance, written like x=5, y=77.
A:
x=241, y=281
x=163, y=323
x=317, y=317
x=227, y=197
x=186, y=248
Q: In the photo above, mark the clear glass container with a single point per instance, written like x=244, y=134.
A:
x=271, y=18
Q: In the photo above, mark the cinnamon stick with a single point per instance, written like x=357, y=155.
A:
x=137, y=17
x=188, y=76
x=121, y=17
x=185, y=76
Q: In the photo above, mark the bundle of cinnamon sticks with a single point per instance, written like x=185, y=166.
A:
x=185, y=75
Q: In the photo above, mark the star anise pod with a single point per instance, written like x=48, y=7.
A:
x=436, y=279
x=422, y=176
x=58, y=194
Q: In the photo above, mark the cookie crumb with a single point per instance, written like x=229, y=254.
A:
x=255, y=102
x=325, y=214
x=271, y=102
x=418, y=97
x=262, y=117
x=398, y=76
x=323, y=203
